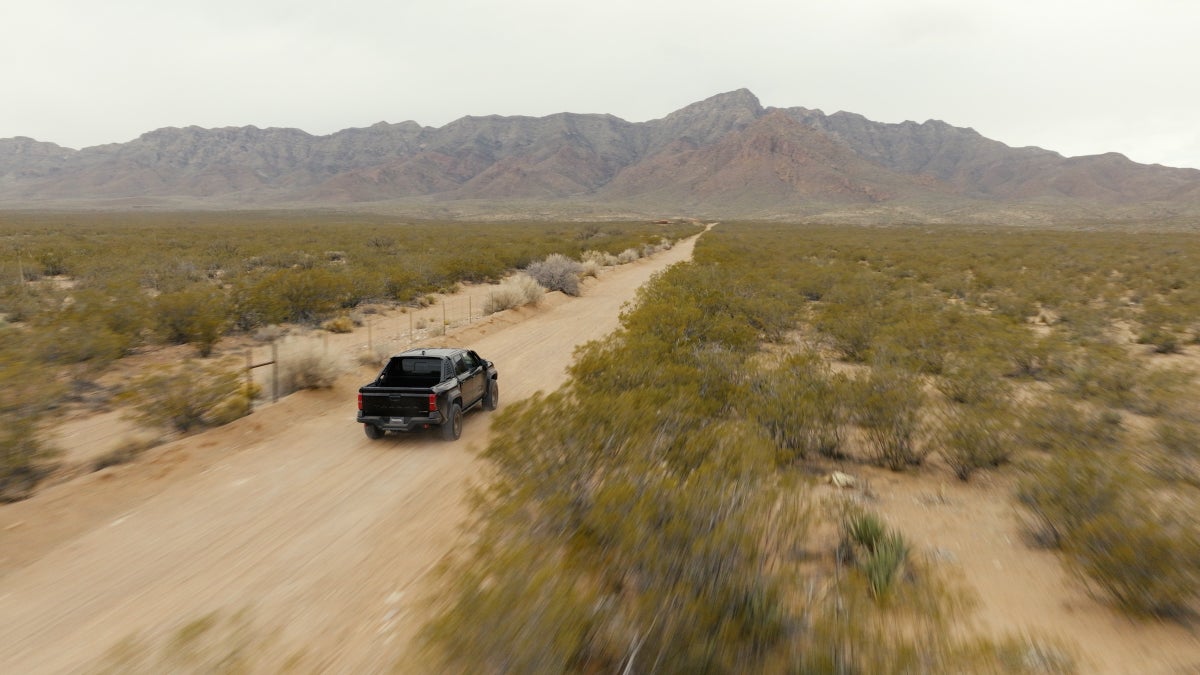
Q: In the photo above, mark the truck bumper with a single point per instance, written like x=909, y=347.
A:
x=402, y=423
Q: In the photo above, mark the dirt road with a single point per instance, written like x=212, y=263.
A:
x=299, y=539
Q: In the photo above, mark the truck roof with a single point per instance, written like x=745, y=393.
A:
x=432, y=351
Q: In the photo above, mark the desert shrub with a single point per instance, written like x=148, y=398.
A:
x=1102, y=372
x=599, y=258
x=1052, y=423
x=589, y=268
x=197, y=315
x=975, y=437
x=1146, y=560
x=188, y=396
x=517, y=291
x=628, y=255
x=802, y=404
x=887, y=406
x=305, y=364
x=971, y=378
x=92, y=326
x=557, y=273
x=1071, y=489
x=339, y=324
x=878, y=552
x=25, y=395
x=1158, y=391
x=128, y=450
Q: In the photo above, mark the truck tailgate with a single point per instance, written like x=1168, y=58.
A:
x=389, y=402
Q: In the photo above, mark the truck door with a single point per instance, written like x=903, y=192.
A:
x=471, y=377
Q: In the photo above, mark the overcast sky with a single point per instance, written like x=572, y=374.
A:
x=1076, y=76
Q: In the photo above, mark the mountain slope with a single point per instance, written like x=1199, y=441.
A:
x=724, y=155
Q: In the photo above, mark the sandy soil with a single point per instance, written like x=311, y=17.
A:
x=323, y=540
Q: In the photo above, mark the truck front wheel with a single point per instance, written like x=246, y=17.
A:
x=491, y=400
x=373, y=432
x=452, y=427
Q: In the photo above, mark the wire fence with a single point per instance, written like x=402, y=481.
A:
x=385, y=333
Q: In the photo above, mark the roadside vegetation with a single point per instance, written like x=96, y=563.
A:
x=667, y=520
x=81, y=290
x=659, y=513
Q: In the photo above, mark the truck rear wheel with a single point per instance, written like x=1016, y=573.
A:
x=373, y=432
x=491, y=400
x=452, y=427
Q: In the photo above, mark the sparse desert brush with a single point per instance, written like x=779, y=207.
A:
x=803, y=405
x=197, y=315
x=306, y=364
x=877, y=551
x=600, y=258
x=557, y=273
x=127, y=450
x=339, y=324
x=1053, y=423
x=517, y=291
x=187, y=396
x=25, y=396
x=628, y=255
x=978, y=436
x=1146, y=559
x=589, y=268
x=887, y=406
x=1075, y=486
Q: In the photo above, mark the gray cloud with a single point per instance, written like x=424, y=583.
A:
x=1076, y=77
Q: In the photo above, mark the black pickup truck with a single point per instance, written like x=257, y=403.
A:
x=422, y=388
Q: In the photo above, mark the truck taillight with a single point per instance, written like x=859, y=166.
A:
x=432, y=402
x=360, y=401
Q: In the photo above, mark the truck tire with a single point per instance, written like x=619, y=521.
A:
x=373, y=432
x=491, y=400
x=452, y=427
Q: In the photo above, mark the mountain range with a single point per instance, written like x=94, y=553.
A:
x=726, y=156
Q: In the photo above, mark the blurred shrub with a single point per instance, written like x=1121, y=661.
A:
x=803, y=406
x=557, y=273
x=25, y=396
x=975, y=437
x=188, y=396
x=1146, y=559
x=887, y=406
x=877, y=552
x=305, y=364
x=339, y=324
x=1052, y=423
x=1072, y=488
x=197, y=315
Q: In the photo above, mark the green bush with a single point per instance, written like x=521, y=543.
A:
x=1146, y=560
x=25, y=396
x=1052, y=423
x=802, y=404
x=976, y=437
x=878, y=553
x=1071, y=489
x=887, y=407
x=197, y=315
